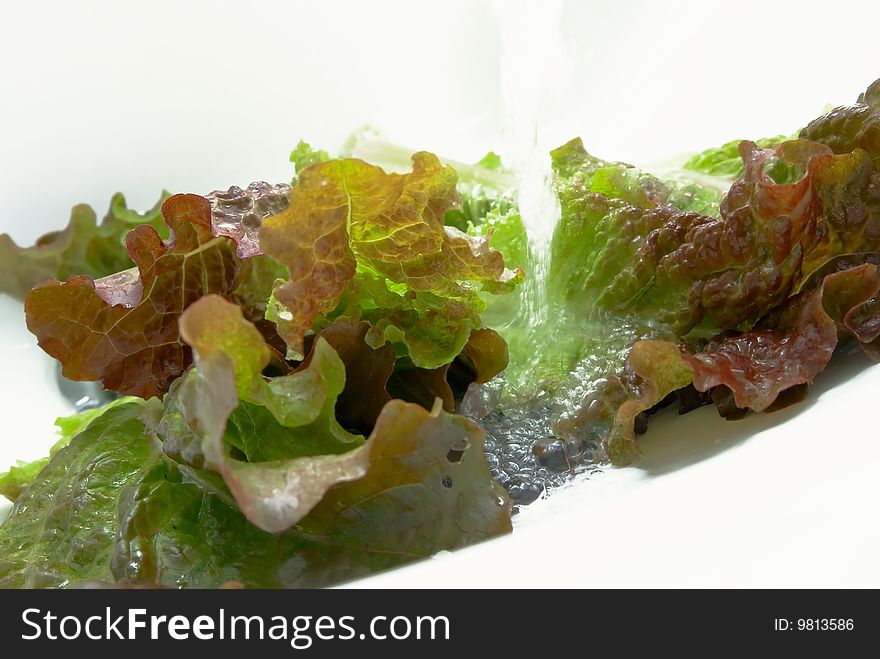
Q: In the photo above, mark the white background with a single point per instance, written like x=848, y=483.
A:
x=104, y=96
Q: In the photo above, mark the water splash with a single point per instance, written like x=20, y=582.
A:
x=533, y=67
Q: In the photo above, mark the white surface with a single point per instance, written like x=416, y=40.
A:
x=31, y=402
x=106, y=96
x=779, y=500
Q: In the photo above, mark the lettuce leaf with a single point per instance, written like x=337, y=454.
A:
x=122, y=329
x=19, y=476
x=412, y=502
x=725, y=160
x=847, y=128
x=300, y=451
x=238, y=213
x=364, y=244
x=746, y=303
x=285, y=427
x=311, y=341
x=84, y=247
x=790, y=346
x=63, y=527
x=699, y=274
x=303, y=155
x=575, y=169
x=373, y=376
x=751, y=370
x=132, y=515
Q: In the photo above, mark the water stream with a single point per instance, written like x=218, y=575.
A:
x=532, y=67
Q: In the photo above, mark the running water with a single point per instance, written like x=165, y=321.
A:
x=534, y=67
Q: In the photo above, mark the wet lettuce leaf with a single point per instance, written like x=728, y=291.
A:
x=134, y=515
x=19, y=476
x=847, y=128
x=122, y=330
x=63, y=527
x=761, y=369
x=83, y=247
x=238, y=213
x=310, y=342
x=725, y=160
x=300, y=451
x=700, y=274
x=373, y=376
x=485, y=189
x=745, y=304
x=412, y=502
x=363, y=244
x=293, y=448
x=575, y=169
x=792, y=344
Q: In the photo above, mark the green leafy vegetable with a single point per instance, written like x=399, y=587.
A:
x=310, y=342
x=577, y=170
x=19, y=476
x=364, y=244
x=411, y=503
x=725, y=160
x=122, y=330
x=63, y=527
x=852, y=127
x=725, y=286
x=132, y=515
x=285, y=427
x=303, y=155
x=84, y=247
x=298, y=455
x=702, y=274
x=748, y=370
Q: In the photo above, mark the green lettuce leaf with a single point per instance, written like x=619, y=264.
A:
x=63, y=527
x=362, y=244
x=134, y=515
x=22, y=474
x=285, y=427
x=303, y=155
x=485, y=189
x=19, y=476
x=298, y=453
x=725, y=160
x=745, y=296
x=412, y=502
x=576, y=170
x=84, y=247
x=699, y=274
x=373, y=376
